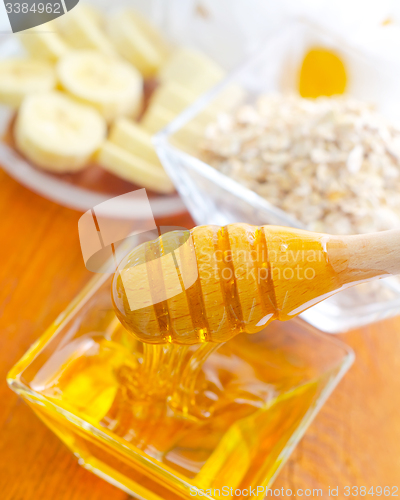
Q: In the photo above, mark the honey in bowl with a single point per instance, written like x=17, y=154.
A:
x=184, y=295
x=231, y=422
x=188, y=403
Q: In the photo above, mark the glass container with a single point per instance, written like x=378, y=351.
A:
x=260, y=391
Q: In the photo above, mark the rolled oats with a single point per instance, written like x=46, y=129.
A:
x=332, y=163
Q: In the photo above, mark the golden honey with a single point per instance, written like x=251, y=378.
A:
x=212, y=420
x=205, y=409
x=183, y=399
x=161, y=419
x=187, y=409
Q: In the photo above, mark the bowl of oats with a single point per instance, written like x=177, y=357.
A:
x=306, y=133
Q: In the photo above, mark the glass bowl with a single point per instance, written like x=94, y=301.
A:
x=214, y=198
x=74, y=375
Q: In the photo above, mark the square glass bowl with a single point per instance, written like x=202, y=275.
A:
x=78, y=379
x=214, y=198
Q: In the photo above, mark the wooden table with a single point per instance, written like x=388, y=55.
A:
x=354, y=441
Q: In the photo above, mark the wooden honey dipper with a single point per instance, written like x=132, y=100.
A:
x=211, y=283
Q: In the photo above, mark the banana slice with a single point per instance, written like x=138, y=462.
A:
x=107, y=83
x=133, y=168
x=172, y=96
x=82, y=31
x=56, y=133
x=44, y=42
x=156, y=118
x=191, y=69
x=20, y=77
x=95, y=14
x=130, y=136
x=138, y=42
x=188, y=137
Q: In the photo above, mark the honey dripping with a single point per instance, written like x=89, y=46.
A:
x=187, y=292
x=177, y=381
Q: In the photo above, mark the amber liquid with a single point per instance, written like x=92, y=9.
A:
x=215, y=419
x=213, y=414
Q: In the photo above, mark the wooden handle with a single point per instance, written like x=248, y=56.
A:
x=377, y=254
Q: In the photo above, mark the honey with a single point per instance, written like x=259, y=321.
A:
x=167, y=392
x=198, y=391
x=241, y=404
x=169, y=384
x=322, y=74
x=158, y=420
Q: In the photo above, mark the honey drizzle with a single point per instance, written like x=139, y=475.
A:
x=183, y=394
x=169, y=384
x=169, y=375
x=161, y=366
x=170, y=372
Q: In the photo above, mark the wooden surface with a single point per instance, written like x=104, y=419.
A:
x=355, y=439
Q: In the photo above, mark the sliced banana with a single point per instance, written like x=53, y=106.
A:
x=170, y=95
x=20, y=77
x=138, y=42
x=56, y=133
x=133, y=168
x=130, y=136
x=95, y=14
x=151, y=32
x=156, y=118
x=191, y=69
x=188, y=137
x=82, y=31
x=107, y=83
x=175, y=98
x=44, y=42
